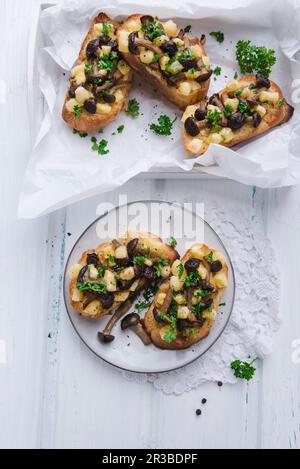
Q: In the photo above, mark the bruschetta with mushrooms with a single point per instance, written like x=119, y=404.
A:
x=185, y=306
x=167, y=57
x=245, y=109
x=113, y=273
x=100, y=79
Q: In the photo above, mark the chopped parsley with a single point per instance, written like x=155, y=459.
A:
x=173, y=242
x=160, y=264
x=217, y=71
x=243, y=108
x=237, y=92
x=214, y=119
x=141, y=306
x=156, y=58
x=88, y=68
x=218, y=35
x=209, y=257
x=164, y=125
x=170, y=336
x=243, y=370
x=101, y=147
x=187, y=53
x=198, y=308
x=193, y=279
x=281, y=102
x=168, y=318
x=203, y=293
x=139, y=260
x=153, y=30
x=107, y=61
x=188, y=28
x=252, y=58
x=120, y=128
x=235, y=75
x=81, y=134
x=228, y=110
x=133, y=108
x=98, y=287
x=77, y=111
x=222, y=304
x=106, y=28
x=180, y=269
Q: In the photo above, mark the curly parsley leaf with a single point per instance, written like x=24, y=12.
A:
x=173, y=242
x=193, y=279
x=281, y=102
x=188, y=28
x=209, y=257
x=243, y=370
x=77, y=111
x=217, y=71
x=81, y=134
x=170, y=336
x=133, y=108
x=101, y=147
x=98, y=287
x=228, y=110
x=252, y=58
x=218, y=35
x=153, y=30
x=164, y=125
x=160, y=264
x=88, y=68
x=120, y=128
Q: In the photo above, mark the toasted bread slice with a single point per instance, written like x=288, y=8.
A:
x=100, y=80
x=172, y=61
x=264, y=107
x=185, y=306
x=107, y=276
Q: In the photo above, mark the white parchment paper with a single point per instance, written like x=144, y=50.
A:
x=63, y=168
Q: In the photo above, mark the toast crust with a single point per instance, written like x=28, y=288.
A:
x=275, y=116
x=95, y=310
x=155, y=329
x=155, y=77
x=93, y=122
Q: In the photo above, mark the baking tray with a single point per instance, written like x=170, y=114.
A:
x=37, y=41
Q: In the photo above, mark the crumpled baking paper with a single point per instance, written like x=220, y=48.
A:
x=63, y=168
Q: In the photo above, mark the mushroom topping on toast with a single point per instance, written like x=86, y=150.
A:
x=246, y=108
x=169, y=58
x=100, y=79
x=185, y=305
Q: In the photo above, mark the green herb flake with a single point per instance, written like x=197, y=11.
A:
x=141, y=306
x=133, y=108
x=170, y=336
x=164, y=125
x=106, y=28
x=228, y=110
x=88, y=69
x=120, y=128
x=243, y=108
x=218, y=35
x=160, y=264
x=281, y=102
x=153, y=30
x=222, y=304
x=193, y=279
x=217, y=71
x=180, y=269
x=107, y=61
x=188, y=28
x=237, y=92
x=173, y=242
x=101, y=147
x=92, y=286
x=156, y=58
x=80, y=134
x=77, y=111
x=209, y=257
x=243, y=370
x=252, y=58
x=214, y=119
x=187, y=53
x=139, y=260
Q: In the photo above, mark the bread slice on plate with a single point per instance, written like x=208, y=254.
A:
x=170, y=59
x=100, y=79
x=185, y=306
x=114, y=272
x=245, y=109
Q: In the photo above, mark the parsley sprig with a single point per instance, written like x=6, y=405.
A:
x=252, y=58
x=164, y=125
x=98, y=287
x=218, y=35
x=153, y=30
x=133, y=108
x=243, y=370
x=101, y=147
x=77, y=111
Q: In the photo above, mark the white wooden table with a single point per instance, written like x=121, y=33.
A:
x=53, y=392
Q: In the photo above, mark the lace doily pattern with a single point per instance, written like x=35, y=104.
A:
x=255, y=316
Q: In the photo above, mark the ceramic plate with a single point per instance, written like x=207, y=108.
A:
x=127, y=351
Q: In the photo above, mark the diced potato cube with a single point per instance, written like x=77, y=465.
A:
x=123, y=67
x=93, y=308
x=148, y=262
x=180, y=299
x=121, y=252
x=189, y=112
x=119, y=95
x=160, y=298
x=220, y=279
x=93, y=272
x=98, y=28
x=176, y=283
x=195, y=145
x=74, y=270
x=202, y=271
x=232, y=102
x=163, y=61
x=111, y=281
x=170, y=28
x=71, y=104
x=146, y=57
x=210, y=314
x=103, y=108
x=179, y=42
x=215, y=138
x=261, y=110
x=197, y=251
x=134, y=25
x=184, y=88
x=82, y=95
x=227, y=134
x=77, y=295
x=177, y=268
x=193, y=74
x=160, y=40
x=197, y=51
x=123, y=41
x=183, y=312
x=213, y=108
x=121, y=296
x=105, y=50
x=165, y=271
x=269, y=97
x=127, y=274
x=246, y=92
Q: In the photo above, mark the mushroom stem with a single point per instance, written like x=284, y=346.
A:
x=105, y=335
x=133, y=322
x=148, y=45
